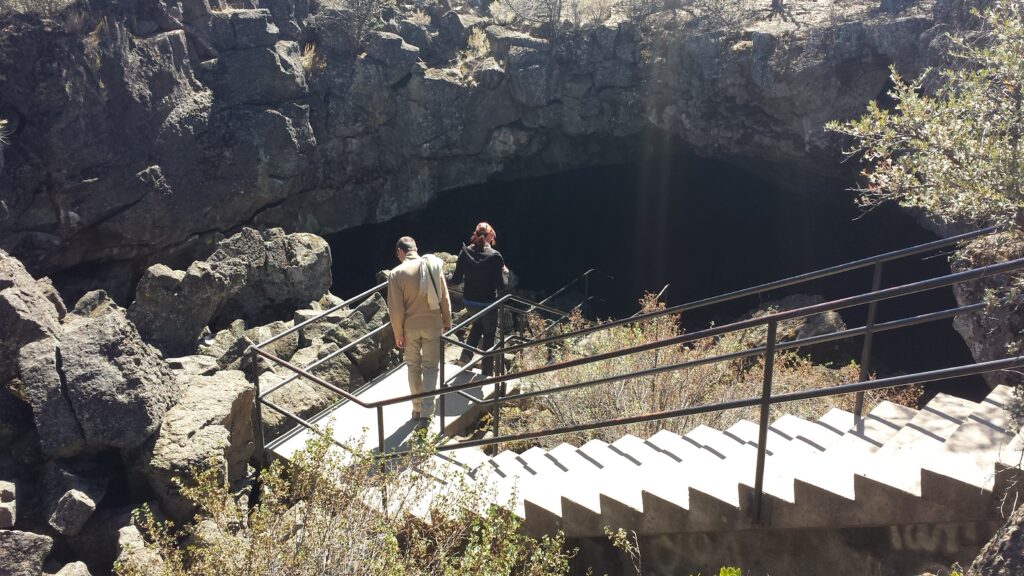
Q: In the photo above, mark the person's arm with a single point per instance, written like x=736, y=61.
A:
x=446, y=305
x=396, y=310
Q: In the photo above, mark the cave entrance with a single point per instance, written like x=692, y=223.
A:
x=703, y=226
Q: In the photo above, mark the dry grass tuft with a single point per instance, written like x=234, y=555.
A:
x=693, y=386
x=325, y=513
x=313, y=62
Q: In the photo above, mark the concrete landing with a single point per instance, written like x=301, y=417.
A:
x=356, y=426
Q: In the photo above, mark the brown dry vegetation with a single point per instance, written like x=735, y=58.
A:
x=323, y=514
x=692, y=386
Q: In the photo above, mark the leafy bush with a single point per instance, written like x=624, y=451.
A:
x=956, y=153
x=671, y=390
x=331, y=512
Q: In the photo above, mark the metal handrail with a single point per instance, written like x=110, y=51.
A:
x=903, y=380
x=257, y=350
x=581, y=278
x=326, y=358
x=867, y=298
x=784, y=283
x=324, y=314
x=771, y=320
x=838, y=304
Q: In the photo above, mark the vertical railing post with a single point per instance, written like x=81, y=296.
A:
x=865, y=354
x=762, y=433
x=441, y=384
x=380, y=430
x=254, y=374
x=586, y=293
x=498, y=362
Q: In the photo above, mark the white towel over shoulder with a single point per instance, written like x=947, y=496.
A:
x=430, y=276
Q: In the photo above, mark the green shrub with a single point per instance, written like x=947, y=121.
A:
x=329, y=512
x=955, y=153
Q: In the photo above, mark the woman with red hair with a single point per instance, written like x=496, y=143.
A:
x=483, y=270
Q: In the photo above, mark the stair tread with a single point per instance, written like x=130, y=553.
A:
x=930, y=427
x=538, y=461
x=749, y=432
x=834, y=469
x=806, y=435
x=510, y=463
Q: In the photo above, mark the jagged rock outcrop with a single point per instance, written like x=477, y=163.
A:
x=118, y=385
x=30, y=310
x=995, y=332
x=153, y=129
x=250, y=275
x=8, y=504
x=210, y=424
x=89, y=379
x=1004, y=553
x=23, y=553
x=72, y=491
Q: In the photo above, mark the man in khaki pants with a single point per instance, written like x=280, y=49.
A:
x=420, y=310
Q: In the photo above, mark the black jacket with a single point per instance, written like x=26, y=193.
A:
x=481, y=269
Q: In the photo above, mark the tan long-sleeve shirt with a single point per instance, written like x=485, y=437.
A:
x=409, y=308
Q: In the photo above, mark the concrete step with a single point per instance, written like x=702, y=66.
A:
x=509, y=463
x=823, y=487
x=806, y=436
x=539, y=462
x=964, y=472
x=542, y=500
x=898, y=462
x=748, y=433
x=930, y=427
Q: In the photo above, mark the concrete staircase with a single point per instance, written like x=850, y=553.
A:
x=897, y=466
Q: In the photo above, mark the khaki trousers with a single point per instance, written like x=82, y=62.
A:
x=423, y=356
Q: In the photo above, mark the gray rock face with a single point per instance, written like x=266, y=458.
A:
x=132, y=551
x=30, y=310
x=74, y=569
x=23, y=553
x=72, y=512
x=1004, y=553
x=212, y=422
x=240, y=29
x=30, y=319
x=8, y=504
x=72, y=491
x=43, y=387
x=244, y=134
x=248, y=275
x=98, y=543
x=118, y=385
x=995, y=332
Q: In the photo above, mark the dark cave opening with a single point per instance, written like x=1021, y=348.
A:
x=702, y=226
